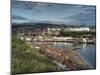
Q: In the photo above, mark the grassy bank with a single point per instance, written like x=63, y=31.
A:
x=27, y=60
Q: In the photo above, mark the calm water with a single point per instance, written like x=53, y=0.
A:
x=87, y=51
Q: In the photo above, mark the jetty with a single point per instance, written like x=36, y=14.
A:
x=59, y=39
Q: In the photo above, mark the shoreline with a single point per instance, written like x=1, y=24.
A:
x=82, y=58
x=88, y=42
x=78, y=59
x=75, y=55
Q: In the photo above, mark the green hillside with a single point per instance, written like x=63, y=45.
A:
x=27, y=60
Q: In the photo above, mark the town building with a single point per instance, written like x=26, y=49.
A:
x=54, y=31
x=77, y=29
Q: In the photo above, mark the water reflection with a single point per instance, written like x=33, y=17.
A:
x=84, y=45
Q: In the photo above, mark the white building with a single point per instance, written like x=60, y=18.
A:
x=77, y=29
x=62, y=38
x=54, y=31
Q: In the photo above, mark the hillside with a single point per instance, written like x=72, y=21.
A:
x=27, y=60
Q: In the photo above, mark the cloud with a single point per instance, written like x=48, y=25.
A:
x=82, y=12
x=81, y=18
x=28, y=5
x=58, y=12
x=18, y=17
x=22, y=4
x=90, y=10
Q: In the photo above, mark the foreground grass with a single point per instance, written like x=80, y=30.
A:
x=28, y=60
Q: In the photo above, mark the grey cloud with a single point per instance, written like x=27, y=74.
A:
x=81, y=18
x=18, y=17
x=29, y=5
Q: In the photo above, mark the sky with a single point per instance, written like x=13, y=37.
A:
x=30, y=12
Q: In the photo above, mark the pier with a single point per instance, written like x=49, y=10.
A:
x=60, y=39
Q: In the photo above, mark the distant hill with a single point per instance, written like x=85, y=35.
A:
x=46, y=25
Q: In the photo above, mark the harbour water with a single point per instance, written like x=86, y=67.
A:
x=87, y=51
